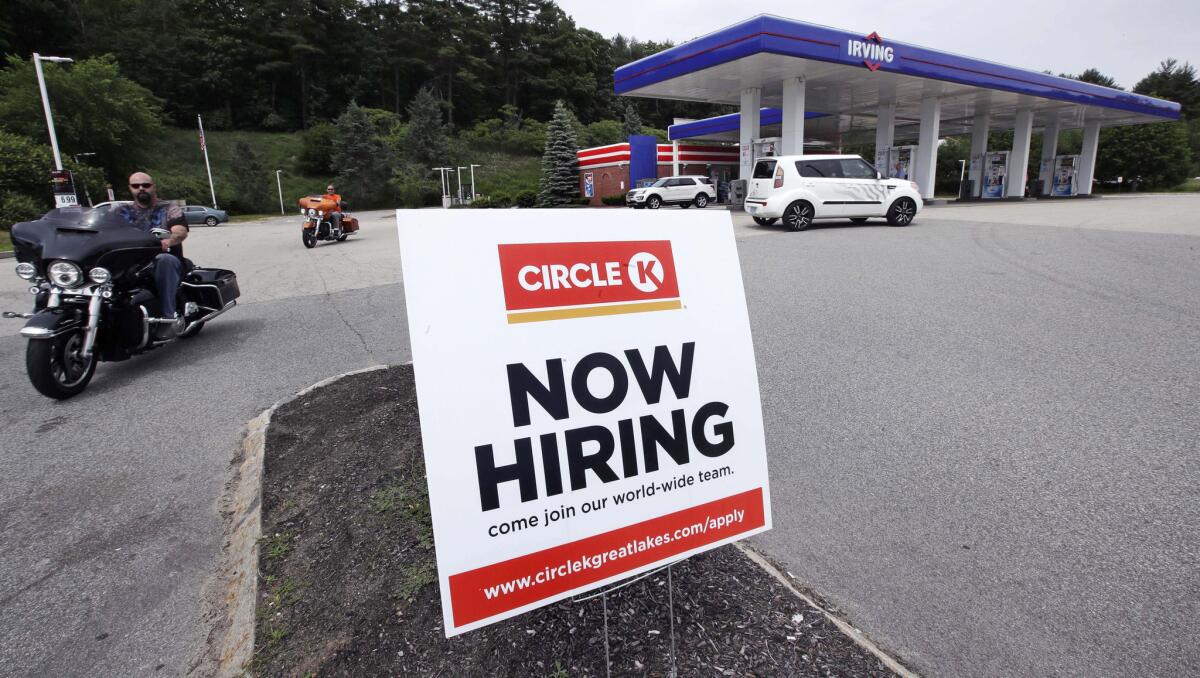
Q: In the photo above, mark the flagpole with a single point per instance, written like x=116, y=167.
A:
x=204, y=147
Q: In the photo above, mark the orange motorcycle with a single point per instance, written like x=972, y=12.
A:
x=319, y=222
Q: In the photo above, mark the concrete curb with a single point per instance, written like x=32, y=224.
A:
x=8, y=255
x=233, y=595
x=844, y=626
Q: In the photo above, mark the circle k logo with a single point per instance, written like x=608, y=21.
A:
x=645, y=272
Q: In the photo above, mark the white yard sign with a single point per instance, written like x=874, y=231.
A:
x=588, y=398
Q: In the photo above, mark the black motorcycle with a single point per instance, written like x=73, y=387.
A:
x=92, y=278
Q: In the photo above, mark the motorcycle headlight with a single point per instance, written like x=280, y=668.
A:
x=320, y=213
x=99, y=275
x=65, y=274
x=26, y=271
x=312, y=212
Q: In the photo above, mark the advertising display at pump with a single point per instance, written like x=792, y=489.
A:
x=1063, y=183
x=895, y=162
x=588, y=398
x=995, y=174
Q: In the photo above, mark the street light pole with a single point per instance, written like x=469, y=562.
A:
x=473, y=191
x=445, y=184
x=37, y=66
x=458, y=173
x=279, y=185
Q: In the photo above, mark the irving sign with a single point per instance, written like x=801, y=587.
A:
x=588, y=397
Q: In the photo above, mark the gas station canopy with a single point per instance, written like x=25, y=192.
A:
x=762, y=51
x=825, y=85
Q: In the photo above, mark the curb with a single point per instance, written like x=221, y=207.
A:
x=844, y=626
x=232, y=597
x=8, y=255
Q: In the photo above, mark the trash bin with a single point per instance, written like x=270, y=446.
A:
x=966, y=189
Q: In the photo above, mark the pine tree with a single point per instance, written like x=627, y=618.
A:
x=559, y=184
x=251, y=179
x=426, y=142
x=633, y=122
x=359, y=158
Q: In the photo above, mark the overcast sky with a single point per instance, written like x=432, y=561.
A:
x=1124, y=39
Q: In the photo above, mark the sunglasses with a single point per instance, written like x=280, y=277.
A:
x=141, y=185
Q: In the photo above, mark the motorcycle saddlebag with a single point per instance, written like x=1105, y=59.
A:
x=211, y=287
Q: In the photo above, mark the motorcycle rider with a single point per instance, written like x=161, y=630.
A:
x=336, y=216
x=148, y=212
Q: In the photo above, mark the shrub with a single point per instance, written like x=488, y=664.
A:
x=613, y=199
x=16, y=207
x=525, y=199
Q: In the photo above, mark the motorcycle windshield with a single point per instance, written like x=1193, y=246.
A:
x=83, y=235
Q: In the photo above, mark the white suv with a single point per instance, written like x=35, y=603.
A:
x=801, y=188
x=684, y=191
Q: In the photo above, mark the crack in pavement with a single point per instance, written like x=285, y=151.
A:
x=329, y=297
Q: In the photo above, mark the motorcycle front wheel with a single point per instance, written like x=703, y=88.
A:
x=56, y=366
x=310, y=238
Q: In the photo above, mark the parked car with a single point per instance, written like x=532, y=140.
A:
x=109, y=203
x=199, y=214
x=802, y=188
x=684, y=191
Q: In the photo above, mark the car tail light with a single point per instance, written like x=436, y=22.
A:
x=779, y=177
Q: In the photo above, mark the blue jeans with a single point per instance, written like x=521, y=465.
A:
x=168, y=268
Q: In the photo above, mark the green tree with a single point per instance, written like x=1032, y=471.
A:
x=1156, y=155
x=361, y=159
x=1176, y=82
x=426, y=142
x=633, y=122
x=96, y=110
x=251, y=179
x=317, y=143
x=1093, y=76
x=559, y=184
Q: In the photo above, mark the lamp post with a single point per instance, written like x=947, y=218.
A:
x=37, y=66
x=279, y=185
x=445, y=185
x=458, y=173
x=473, y=191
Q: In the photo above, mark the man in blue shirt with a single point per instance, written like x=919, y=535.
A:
x=148, y=212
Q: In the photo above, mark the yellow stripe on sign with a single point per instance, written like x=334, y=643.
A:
x=615, y=309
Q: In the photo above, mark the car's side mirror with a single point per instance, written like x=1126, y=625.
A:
x=878, y=175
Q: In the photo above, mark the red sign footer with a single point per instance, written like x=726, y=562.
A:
x=493, y=589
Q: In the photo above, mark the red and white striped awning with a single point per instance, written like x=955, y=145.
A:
x=617, y=154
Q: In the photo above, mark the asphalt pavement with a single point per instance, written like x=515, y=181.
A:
x=982, y=434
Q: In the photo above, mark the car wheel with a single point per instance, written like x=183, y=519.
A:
x=798, y=216
x=765, y=221
x=684, y=205
x=210, y=221
x=902, y=212
x=858, y=220
x=654, y=202
x=702, y=201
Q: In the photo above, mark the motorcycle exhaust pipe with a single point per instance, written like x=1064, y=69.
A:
x=11, y=315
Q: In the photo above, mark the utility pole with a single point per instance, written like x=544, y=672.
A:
x=204, y=147
x=279, y=185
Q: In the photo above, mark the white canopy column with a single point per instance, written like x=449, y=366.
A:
x=979, y=138
x=927, y=143
x=1049, y=151
x=1018, y=160
x=885, y=133
x=793, y=116
x=1087, y=156
x=751, y=103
